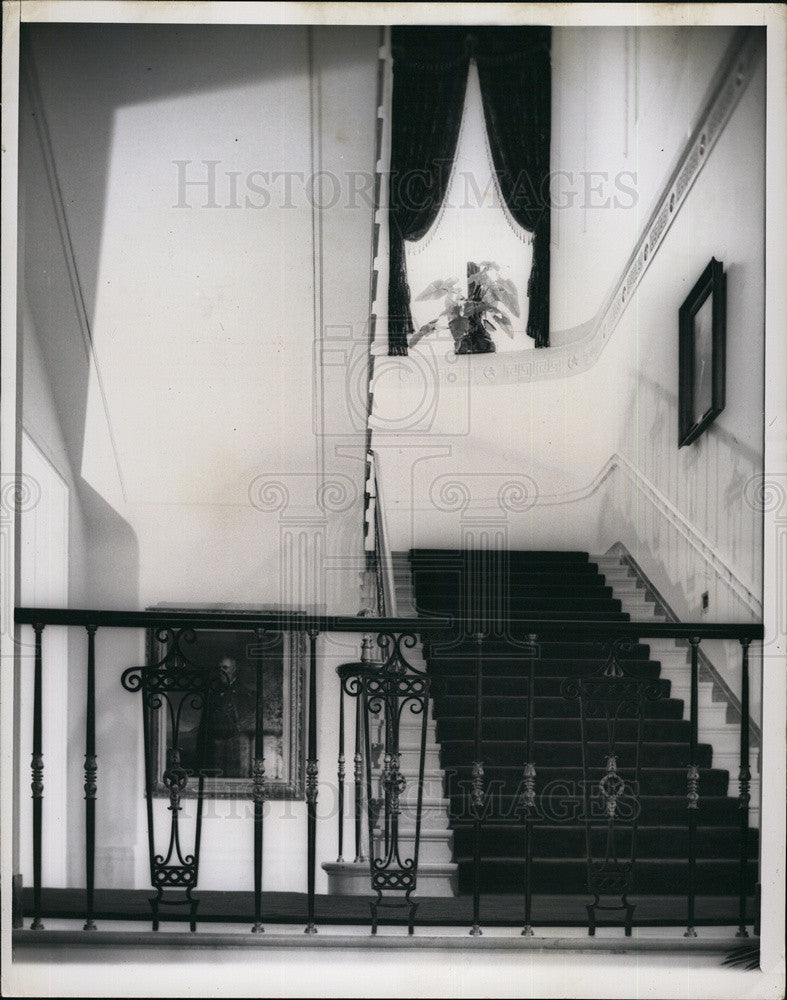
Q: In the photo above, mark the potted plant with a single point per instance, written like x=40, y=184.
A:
x=471, y=318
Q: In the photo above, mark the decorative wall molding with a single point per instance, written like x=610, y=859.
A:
x=731, y=80
x=696, y=540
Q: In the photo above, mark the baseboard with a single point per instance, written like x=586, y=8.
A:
x=706, y=666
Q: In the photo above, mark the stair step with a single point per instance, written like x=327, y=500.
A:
x=514, y=671
x=568, y=730
x=653, y=842
x=664, y=876
x=353, y=879
x=495, y=650
x=546, y=710
x=562, y=783
x=548, y=701
x=435, y=846
x=570, y=585
x=457, y=755
x=561, y=591
x=511, y=556
x=563, y=607
x=509, y=695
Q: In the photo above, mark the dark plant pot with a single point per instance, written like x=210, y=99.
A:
x=475, y=341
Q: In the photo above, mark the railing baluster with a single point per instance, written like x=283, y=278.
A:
x=744, y=778
x=530, y=786
x=358, y=778
x=477, y=792
x=91, y=772
x=37, y=784
x=693, y=784
x=311, y=780
x=340, y=771
x=258, y=781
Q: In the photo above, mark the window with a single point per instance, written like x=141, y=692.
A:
x=473, y=224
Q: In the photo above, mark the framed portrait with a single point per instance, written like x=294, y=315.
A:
x=702, y=321
x=226, y=737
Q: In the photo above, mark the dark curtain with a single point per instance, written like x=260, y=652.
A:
x=516, y=89
x=429, y=82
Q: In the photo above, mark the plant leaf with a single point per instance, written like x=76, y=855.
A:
x=508, y=299
x=438, y=289
x=504, y=321
x=459, y=327
x=425, y=330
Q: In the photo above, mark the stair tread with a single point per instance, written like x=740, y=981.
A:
x=570, y=585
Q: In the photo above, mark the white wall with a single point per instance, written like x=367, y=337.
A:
x=207, y=437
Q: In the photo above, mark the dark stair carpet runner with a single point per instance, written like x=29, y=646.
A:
x=558, y=585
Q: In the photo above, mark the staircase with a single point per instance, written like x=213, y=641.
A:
x=553, y=585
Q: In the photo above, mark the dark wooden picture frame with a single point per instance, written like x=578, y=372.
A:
x=702, y=330
x=228, y=766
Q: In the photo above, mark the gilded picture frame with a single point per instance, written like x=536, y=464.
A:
x=228, y=747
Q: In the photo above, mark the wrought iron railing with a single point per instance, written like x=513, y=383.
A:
x=387, y=687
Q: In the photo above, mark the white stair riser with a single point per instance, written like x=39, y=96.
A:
x=433, y=787
x=434, y=820
x=430, y=851
x=354, y=880
x=409, y=760
x=645, y=612
x=722, y=743
x=731, y=762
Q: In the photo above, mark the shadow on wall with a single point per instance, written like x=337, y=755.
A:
x=102, y=68
x=111, y=582
x=113, y=554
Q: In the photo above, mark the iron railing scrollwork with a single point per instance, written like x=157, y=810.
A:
x=387, y=692
x=177, y=687
x=610, y=700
